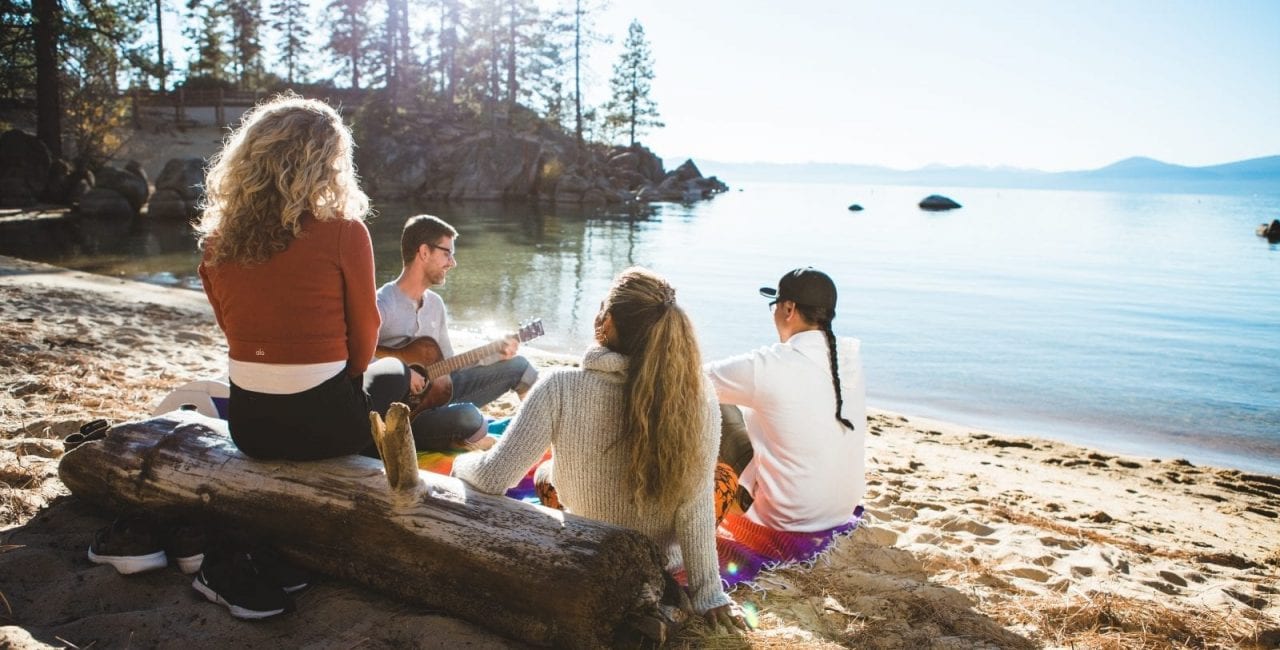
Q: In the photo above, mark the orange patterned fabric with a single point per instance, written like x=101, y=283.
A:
x=726, y=490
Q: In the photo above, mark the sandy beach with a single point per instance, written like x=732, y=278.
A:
x=973, y=539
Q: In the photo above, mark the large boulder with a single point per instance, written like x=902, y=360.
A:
x=497, y=168
x=129, y=185
x=637, y=160
x=134, y=167
x=185, y=176
x=936, y=202
x=168, y=205
x=687, y=171
x=571, y=188
x=57, y=188
x=24, y=168
x=106, y=203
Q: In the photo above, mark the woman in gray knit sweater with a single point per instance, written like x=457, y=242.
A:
x=633, y=434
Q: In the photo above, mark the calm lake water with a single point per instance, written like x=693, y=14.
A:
x=1139, y=323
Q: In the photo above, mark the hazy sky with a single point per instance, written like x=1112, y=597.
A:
x=1026, y=83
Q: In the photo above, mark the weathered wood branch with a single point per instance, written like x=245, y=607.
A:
x=394, y=440
x=528, y=572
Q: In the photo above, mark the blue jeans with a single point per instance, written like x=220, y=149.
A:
x=444, y=427
x=483, y=384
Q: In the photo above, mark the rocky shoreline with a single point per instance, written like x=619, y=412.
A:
x=434, y=160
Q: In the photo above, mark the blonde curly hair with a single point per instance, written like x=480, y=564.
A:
x=664, y=394
x=290, y=156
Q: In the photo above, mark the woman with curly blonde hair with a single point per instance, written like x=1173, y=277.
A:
x=633, y=433
x=288, y=268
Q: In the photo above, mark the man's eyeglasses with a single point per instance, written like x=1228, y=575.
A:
x=447, y=251
x=772, y=304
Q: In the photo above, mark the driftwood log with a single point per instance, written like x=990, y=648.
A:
x=528, y=572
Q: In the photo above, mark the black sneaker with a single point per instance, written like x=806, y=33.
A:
x=89, y=431
x=235, y=582
x=277, y=571
x=185, y=544
x=129, y=544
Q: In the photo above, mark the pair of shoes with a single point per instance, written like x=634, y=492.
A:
x=90, y=431
x=135, y=543
x=277, y=571
x=235, y=581
x=185, y=543
x=130, y=544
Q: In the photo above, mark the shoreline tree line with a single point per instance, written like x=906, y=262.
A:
x=514, y=65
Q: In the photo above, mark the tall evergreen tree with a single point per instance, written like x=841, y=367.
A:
x=349, y=36
x=543, y=68
x=207, y=32
x=583, y=37
x=246, y=42
x=68, y=59
x=18, y=50
x=450, y=48
x=631, y=106
x=291, y=21
x=47, y=30
x=162, y=68
x=520, y=39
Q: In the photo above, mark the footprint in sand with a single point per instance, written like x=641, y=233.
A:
x=192, y=337
x=1252, y=601
x=1173, y=578
x=958, y=524
x=1068, y=544
x=1162, y=587
x=1028, y=573
x=902, y=513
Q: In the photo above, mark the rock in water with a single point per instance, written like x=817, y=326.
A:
x=936, y=202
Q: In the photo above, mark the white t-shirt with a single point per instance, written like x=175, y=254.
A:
x=808, y=471
x=403, y=320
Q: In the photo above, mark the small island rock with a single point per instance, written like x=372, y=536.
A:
x=855, y=208
x=1271, y=231
x=937, y=202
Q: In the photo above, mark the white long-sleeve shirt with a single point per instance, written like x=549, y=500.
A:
x=808, y=471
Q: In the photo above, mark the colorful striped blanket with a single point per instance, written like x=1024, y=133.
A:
x=441, y=462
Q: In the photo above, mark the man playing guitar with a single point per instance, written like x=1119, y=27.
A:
x=415, y=328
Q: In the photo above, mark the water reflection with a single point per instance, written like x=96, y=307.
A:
x=516, y=262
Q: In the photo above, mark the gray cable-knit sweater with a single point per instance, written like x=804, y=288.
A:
x=578, y=413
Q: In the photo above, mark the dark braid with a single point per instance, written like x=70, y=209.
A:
x=823, y=317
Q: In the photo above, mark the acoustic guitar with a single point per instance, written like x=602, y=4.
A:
x=423, y=354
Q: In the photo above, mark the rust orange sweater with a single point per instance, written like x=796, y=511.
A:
x=311, y=303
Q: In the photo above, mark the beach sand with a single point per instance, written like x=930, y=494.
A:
x=972, y=540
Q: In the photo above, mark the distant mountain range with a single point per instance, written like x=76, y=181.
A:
x=1258, y=175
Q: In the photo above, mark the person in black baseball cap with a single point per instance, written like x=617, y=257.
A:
x=794, y=413
x=806, y=286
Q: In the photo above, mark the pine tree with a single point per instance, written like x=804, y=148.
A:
x=246, y=41
x=291, y=22
x=631, y=106
x=349, y=39
x=208, y=38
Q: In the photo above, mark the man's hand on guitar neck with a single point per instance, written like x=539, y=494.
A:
x=509, y=348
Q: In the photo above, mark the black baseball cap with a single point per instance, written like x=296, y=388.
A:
x=805, y=286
